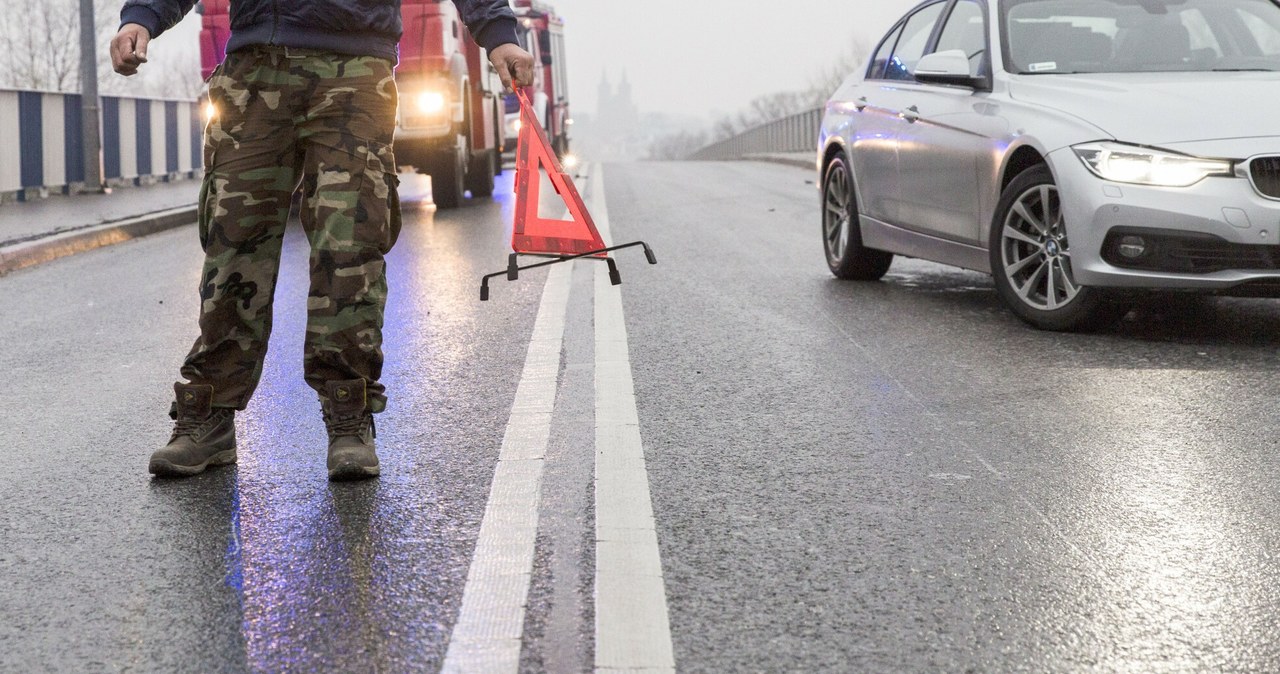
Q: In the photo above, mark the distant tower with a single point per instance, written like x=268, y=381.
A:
x=626, y=111
x=604, y=100
x=624, y=89
x=616, y=113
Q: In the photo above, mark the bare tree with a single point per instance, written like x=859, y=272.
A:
x=769, y=107
x=676, y=145
x=830, y=78
x=725, y=127
x=40, y=50
x=761, y=110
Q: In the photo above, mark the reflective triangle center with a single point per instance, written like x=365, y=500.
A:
x=532, y=233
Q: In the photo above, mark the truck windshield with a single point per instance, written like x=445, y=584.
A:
x=1123, y=36
x=511, y=104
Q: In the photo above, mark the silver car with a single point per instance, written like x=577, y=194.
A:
x=1078, y=150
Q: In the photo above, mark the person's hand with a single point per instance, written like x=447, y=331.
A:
x=513, y=63
x=129, y=48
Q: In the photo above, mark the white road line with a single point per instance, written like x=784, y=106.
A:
x=490, y=624
x=633, y=632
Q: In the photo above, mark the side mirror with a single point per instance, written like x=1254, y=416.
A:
x=948, y=67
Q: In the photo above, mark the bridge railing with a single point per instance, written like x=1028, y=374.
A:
x=143, y=140
x=796, y=133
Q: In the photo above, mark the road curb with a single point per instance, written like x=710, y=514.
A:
x=31, y=253
x=806, y=163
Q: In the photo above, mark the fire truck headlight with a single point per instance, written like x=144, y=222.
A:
x=210, y=111
x=571, y=161
x=431, y=102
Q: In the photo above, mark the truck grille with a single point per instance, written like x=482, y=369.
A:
x=1265, y=173
x=419, y=121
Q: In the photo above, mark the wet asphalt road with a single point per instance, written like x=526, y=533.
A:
x=895, y=476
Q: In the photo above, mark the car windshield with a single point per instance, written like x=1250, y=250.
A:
x=1126, y=36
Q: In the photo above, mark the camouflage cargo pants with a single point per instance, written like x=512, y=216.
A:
x=324, y=121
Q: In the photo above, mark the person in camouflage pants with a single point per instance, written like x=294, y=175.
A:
x=306, y=97
x=283, y=115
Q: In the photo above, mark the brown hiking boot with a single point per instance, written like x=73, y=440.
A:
x=202, y=435
x=351, y=432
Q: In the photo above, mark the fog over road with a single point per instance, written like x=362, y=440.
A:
x=890, y=476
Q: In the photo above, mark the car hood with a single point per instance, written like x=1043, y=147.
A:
x=1161, y=109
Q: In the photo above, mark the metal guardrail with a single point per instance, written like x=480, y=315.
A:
x=797, y=133
x=142, y=140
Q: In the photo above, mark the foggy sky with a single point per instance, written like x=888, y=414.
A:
x=699, y=57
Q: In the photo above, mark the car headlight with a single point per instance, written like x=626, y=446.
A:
x=431, y=102
x=1145, y=166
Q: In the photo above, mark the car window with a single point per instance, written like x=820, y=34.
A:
x=1060, y=42
x=1204, y=44
x=1075, y=36
x=966, y=30
x=876, y=71
x=915, y=36
x=1266, y=35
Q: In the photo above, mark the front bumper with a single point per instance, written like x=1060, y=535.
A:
x=1242, y=229
x=437, y=133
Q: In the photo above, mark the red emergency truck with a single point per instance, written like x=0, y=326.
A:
x=451, y=114
x=542, y=33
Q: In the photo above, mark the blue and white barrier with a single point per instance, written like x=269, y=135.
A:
x=142, y=140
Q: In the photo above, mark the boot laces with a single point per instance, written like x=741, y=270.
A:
x=347, y=425
x=191, y=425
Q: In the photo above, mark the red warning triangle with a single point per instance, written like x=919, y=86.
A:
x=532, y=233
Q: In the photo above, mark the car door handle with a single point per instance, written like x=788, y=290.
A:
x=860, y=104
x=911, y=114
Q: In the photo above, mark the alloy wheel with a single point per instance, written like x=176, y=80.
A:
x=1035, y=252
x=836, y=219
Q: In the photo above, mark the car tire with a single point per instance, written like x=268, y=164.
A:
x=846, y=257
x=1031, y=260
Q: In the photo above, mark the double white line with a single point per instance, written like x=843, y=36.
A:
x=632, y=630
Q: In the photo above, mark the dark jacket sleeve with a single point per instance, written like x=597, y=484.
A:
x=156, y=15
x=491, y=22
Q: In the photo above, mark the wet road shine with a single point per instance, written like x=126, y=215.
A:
x=893, y=476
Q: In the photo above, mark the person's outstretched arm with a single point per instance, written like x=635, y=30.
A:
x=140, y=21
x=493, y=26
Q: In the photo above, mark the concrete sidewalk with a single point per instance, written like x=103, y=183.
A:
x=33, y=232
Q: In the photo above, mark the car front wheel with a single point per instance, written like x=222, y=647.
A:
x=841, y=237
x=1031, y=260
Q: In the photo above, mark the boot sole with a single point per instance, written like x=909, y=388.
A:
x=352, y=471
x=163, y=468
